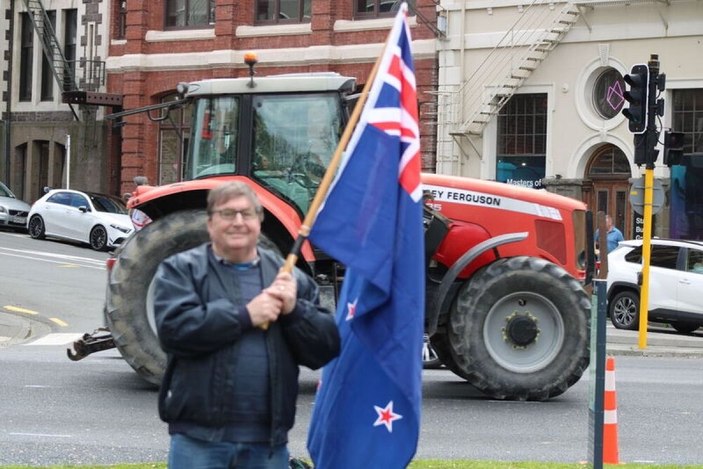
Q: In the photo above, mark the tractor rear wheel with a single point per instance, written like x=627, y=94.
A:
x=519, y=329
x=130, y=314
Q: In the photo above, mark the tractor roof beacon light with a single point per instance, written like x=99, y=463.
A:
x=251, y=60
x=636, y=113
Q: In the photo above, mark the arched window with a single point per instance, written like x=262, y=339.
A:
x=609, y=160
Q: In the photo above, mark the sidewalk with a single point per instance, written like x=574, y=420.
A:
x=661, y=342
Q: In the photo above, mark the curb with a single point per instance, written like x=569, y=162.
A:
x=13, y=329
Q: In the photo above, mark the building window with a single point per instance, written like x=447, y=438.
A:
x=69, y=52
x=26, y=57
x=610, y=161
x=608, y=91
x=686, y=197
x=687, y=117
x=121, y=26
x=47, y=73
x=522, y=140
x=283, y=11
x=189, y=13
x=174, y=134
x=376, y=8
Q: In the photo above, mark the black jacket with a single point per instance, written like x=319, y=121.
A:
x=199, y=330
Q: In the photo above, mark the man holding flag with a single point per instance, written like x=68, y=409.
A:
x=367, y=410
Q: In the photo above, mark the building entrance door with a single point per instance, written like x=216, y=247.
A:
x=609, y=172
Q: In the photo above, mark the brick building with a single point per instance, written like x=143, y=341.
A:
x=155, y=45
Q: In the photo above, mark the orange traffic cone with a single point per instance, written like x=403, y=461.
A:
x=610, y=415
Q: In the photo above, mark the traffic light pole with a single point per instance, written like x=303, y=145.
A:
x=651, y=154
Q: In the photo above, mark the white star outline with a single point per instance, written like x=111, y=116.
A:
x=386, y=416
x=351, y=310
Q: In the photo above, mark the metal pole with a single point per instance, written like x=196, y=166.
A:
x=651, y=154
x=68, y=161
x=8, y=105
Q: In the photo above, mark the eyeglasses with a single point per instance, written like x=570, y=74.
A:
x=230, y=214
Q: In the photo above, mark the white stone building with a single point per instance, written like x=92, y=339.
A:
x=531, y=94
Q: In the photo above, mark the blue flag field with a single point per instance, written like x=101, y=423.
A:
x=367, y=409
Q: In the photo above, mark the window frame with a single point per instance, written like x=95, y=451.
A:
x=301, y=18
x=26, y=84
x=210, y=16
x=377, y=10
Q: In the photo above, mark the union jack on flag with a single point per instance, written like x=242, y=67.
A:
x=367, y=409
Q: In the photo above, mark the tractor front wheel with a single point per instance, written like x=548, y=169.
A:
x=519, y=329
x=130, y=313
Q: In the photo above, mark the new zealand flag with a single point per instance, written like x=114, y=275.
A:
x=367, y=409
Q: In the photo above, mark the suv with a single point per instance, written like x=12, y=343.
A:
x=675, y=284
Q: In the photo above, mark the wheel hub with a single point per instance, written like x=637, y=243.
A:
x=521, y=329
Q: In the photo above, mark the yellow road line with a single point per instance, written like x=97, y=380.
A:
x=16, y=309
x=59, y=322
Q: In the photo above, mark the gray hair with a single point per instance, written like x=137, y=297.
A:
x=231, y=190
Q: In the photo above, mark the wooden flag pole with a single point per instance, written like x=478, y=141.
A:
x=326, y=182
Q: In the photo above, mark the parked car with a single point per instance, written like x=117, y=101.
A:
x=13, y=212
x=675, y=284
x=97, y=219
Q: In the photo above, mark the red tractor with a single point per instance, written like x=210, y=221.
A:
x=506, y=266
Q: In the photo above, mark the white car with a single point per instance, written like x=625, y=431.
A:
x=97, y=219
x=675, y=284
x=13, y=212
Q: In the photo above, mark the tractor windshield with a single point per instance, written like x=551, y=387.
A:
x=294, y=139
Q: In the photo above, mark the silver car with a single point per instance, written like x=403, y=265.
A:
x=13, y=212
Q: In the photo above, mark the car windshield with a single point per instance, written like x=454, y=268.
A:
x=5, y=192
x=103, y=203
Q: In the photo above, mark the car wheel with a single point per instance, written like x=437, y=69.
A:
x=685, y=327
x=36, y=227
x=98, y=238
x=624, y=310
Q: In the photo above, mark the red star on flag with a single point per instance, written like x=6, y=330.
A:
x=351, y=310
x=386, y=416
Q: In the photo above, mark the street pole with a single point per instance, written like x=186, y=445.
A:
x=68, y=161
x=651, y=141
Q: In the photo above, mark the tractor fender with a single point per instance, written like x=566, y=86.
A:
x=458, y=266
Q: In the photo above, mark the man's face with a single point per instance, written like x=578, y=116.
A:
x=234, y=229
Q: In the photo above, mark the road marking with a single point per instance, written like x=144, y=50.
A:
x=17, y=309
x=59, y=322
x=56, y=339
x=43, y=435
x=62, y=259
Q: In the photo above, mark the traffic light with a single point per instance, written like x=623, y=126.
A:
x=636, y=113
x=645, y=151
x=673, y=148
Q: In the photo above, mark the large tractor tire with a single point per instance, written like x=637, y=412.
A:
x=130, y=314
x=519, y=330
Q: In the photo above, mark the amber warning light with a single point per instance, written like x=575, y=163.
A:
x=250, y=60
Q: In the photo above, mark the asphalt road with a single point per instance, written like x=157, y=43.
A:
x=97, y=411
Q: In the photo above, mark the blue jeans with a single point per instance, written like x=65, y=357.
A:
x=189, y=453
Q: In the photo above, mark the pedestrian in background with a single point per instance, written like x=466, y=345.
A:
x=613, y=235
x=235, y=330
